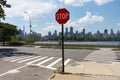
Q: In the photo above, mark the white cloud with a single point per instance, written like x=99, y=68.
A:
x=85, y=21
x=90, y=19
x=77, y=26
x=33, y=7
x=101, y=2
x=51, y=28
x=82, y=2
x=34, y=25
x=72, y=23
x=75, y=2
x=80, y=28
x=49, y=23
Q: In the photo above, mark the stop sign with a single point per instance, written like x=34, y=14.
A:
x=62, y=16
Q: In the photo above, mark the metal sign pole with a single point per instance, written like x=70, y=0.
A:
x=62, y=48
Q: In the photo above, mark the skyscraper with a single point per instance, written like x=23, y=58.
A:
x=112, y=35
x=66, y=30
x=55, y=33
x=105, y=35
x=83, y=33
x=105, y=31
x=71, y=30
x=49, y=34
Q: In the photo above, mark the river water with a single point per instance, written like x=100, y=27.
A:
x=101, y=43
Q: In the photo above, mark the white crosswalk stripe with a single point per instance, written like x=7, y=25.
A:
x=21, y=58
x=28, y=59
x=55, y=62
x=10, y=58
x=67, y=61
x=36, y=60
x=13, y=58
x=45, y=62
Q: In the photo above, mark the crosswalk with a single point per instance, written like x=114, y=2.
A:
x=41, y=61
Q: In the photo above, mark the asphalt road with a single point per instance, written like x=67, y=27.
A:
x=32, y=63
x=69, y=53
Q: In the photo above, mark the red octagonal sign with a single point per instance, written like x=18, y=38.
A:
x=62, y=16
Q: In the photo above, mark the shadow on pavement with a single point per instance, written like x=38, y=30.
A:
x=8, y=52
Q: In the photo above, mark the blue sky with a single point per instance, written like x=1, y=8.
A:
x=92, y=15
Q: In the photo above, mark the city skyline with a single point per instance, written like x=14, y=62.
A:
x=92, y=15
x=52, y=32
x=70, y=35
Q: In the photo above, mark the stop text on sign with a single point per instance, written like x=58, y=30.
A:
x=62, y=16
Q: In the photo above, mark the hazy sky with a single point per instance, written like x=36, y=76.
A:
x=92, y=15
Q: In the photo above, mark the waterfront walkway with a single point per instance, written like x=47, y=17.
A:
x=104, y=55
x=99, y=65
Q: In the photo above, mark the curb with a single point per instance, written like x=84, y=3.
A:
x=51, y=77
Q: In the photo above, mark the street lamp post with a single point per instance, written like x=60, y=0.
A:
x=30, y=22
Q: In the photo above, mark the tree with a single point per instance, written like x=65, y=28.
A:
x=31, y=38
x=3, y=4
x=7, y=31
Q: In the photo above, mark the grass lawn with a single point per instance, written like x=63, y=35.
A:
x=68, y=47
x=116, y=49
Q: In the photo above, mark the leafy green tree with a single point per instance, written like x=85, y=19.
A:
x=3, y=4
x=31, y=38
x=7, y=31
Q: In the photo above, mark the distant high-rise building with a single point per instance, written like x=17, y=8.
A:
x=66, y=33
x=76, y=36
x=66, y=30
x=55, y=33
x=49, y=37
x=71, y=30
x=76, y=33
x=89, y=35
x=118, y=34
x=112, y=31
x=82, y=34
x=60, y=34
x=112, y=35
x=83, y=31
x=105, y=31
x=71, y=35
x=105, y=35
x=98, y=34
x=49, y=34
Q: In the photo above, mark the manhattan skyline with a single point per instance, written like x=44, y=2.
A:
x=70, y=35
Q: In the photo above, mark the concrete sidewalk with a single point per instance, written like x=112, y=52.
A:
x=94, y=68
x=81, y=77
x=104, y=55
x=104, y=68
x=90, y=71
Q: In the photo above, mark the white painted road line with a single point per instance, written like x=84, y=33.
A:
x=11, y=58
x=36, y=60
x=45, y=61
x=47, y=67
x=28, y=59
x=12, y=70
x=67, y=61
x=21, y=58
x=55, y=62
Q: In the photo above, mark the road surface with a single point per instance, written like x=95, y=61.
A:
x=32, y=63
